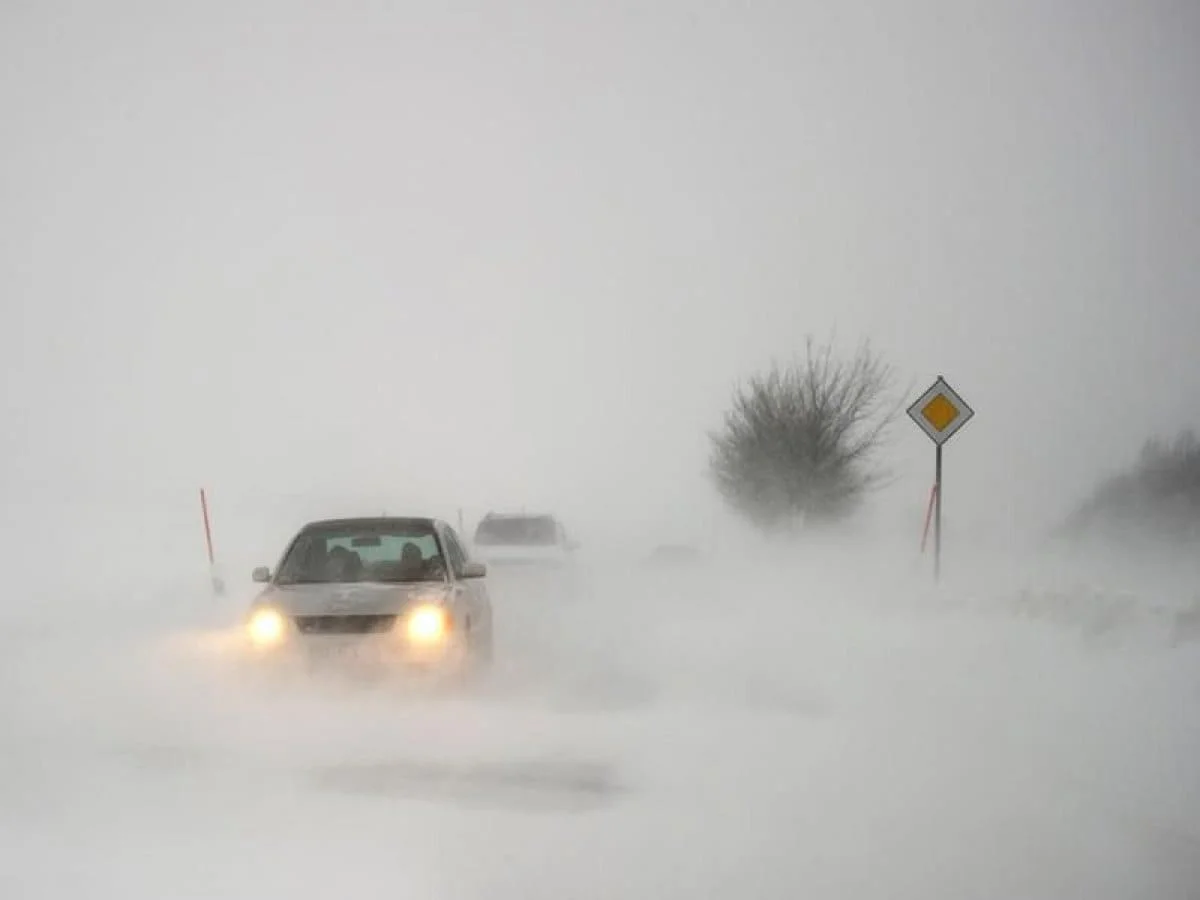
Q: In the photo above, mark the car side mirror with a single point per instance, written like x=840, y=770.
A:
x=474, y=570
x=261, y=575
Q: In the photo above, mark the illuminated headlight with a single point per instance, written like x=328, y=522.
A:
x=426, y=625
x=266, y=627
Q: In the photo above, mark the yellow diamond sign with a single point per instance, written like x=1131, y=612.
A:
x=940, y=412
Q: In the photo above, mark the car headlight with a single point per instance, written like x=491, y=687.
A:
x=266, y=627
x=427, y=624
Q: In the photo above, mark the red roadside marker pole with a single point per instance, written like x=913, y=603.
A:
x=218, y=585
x=928, y=516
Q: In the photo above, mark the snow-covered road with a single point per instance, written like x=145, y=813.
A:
x=704, y=739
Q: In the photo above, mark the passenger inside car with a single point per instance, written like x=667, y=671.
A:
x=343, y=565
x=412, y=565
x=412, y=562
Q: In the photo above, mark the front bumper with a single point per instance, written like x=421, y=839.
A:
x=379, y=650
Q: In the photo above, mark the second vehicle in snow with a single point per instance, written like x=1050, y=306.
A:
x=523, y=539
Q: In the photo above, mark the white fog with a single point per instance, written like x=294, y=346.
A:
x=422, y=260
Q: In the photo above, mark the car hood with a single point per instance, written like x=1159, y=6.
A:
x=357, y=599
x=501, y=554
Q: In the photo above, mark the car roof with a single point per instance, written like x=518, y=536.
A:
x=520, y=515
x=369, y=521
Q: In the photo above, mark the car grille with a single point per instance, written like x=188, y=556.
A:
x=352, y=624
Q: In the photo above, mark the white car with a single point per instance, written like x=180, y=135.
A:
x=379, y=592
x=529, y=539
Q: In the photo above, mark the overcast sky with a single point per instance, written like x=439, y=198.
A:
x=516, y=253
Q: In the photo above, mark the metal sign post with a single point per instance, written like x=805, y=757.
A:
x=940, y=412
x=937, y=513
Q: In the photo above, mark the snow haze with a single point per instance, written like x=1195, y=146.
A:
x=271, y=246
x=432, y=258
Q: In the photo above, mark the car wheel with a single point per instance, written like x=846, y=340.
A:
x=478, y=658
x=484, y=649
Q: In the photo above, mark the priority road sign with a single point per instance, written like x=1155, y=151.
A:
x=940, y=412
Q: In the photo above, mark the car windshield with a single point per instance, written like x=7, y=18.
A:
x=523, y=531
x=390, y=552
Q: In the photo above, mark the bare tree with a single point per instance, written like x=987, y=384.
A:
x=799, y=442
x=1157, y=497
